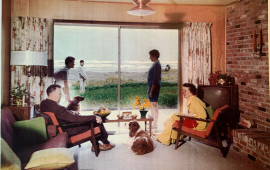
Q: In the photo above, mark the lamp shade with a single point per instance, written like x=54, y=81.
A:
x=141, y=11
x=28, y=58
x=141, y=8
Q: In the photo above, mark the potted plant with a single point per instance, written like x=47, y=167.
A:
x=142, y=105
x=18, y=93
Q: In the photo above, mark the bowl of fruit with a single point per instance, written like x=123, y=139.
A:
x=102, y=112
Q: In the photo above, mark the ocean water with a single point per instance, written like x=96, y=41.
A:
x=112, y=66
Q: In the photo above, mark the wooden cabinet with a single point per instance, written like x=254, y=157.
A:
x=22, y=112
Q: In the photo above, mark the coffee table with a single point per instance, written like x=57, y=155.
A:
x=149, y=118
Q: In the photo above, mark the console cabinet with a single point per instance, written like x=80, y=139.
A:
x=22, y=112
x=218, y=96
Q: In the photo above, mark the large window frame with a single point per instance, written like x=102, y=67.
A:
x=128, y=25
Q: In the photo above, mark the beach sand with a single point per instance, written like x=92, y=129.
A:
x=102, y=78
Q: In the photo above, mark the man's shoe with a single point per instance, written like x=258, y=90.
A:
x=111, y=145
x=102, y=148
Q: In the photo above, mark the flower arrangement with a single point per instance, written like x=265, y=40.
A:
x=18, y=92
x=141, y=104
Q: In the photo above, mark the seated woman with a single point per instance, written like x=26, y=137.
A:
x=196, y=108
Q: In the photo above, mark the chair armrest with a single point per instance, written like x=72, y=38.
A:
x=51, y=131
x=72, y=125
x=194, y=118
x=59, y=141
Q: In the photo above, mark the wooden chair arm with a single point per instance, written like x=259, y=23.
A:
x=77, y=124
x=194, y=118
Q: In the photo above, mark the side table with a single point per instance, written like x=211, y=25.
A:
x=22, y=112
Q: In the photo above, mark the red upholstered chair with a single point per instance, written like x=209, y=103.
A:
x=77, y=139
x=219, y=120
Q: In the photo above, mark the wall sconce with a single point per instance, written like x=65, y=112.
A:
x=28, y=58
x=257, y=53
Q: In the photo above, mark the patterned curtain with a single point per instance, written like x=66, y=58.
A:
x=33, y=34
x=196, y=54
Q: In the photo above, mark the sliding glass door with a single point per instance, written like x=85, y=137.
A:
x=116, y=61
x=135, y=63
x=98, y=47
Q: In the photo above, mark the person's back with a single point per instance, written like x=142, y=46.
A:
x=61, y=75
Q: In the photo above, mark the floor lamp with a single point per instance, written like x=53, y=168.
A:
x=28, y=58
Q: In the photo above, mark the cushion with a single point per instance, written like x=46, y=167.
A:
x=45, y=116
x=79, y=137
x=208, y=130
x=54, y=120
x=201, y=134
x=210, y=111
x=31, y=131
x=8, y=158
x=54, y=158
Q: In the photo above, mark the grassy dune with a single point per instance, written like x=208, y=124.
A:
x=106, y=95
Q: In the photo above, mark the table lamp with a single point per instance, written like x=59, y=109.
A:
x=28, y=58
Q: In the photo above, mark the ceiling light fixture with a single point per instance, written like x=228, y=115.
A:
x=141, y=9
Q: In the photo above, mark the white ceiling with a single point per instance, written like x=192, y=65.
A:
x=194, y=2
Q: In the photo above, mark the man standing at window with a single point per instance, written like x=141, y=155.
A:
x=61, y=76
x=82, y=76
x=154, y=82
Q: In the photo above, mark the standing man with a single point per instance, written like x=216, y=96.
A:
x=154, y=82
x=61, y=76
x=82, y=76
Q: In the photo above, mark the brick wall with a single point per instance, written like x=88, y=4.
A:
x=251, y=74
x=253, y=143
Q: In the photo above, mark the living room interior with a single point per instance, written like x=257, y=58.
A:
x=235, y=25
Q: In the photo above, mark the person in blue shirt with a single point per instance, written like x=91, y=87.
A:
x=154, y=83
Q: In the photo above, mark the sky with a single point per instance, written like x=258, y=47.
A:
x=101, y=43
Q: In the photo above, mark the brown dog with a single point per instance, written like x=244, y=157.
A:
x=74, y=105
x=141, y=142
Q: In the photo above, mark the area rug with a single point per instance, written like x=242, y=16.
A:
x=190, y=155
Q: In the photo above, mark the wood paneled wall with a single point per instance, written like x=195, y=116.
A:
x=107, y=11
x=5, y=51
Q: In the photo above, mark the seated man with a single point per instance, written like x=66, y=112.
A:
x=64, y=116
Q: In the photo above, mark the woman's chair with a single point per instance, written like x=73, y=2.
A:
x=219, y=124
x=50, y=119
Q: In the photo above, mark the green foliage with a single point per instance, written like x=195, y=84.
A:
x=19, y=91
x=107, y=95
x=223, y=76
x=168, y=100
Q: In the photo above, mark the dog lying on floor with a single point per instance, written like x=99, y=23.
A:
x=139, y=141
x=74, y=105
